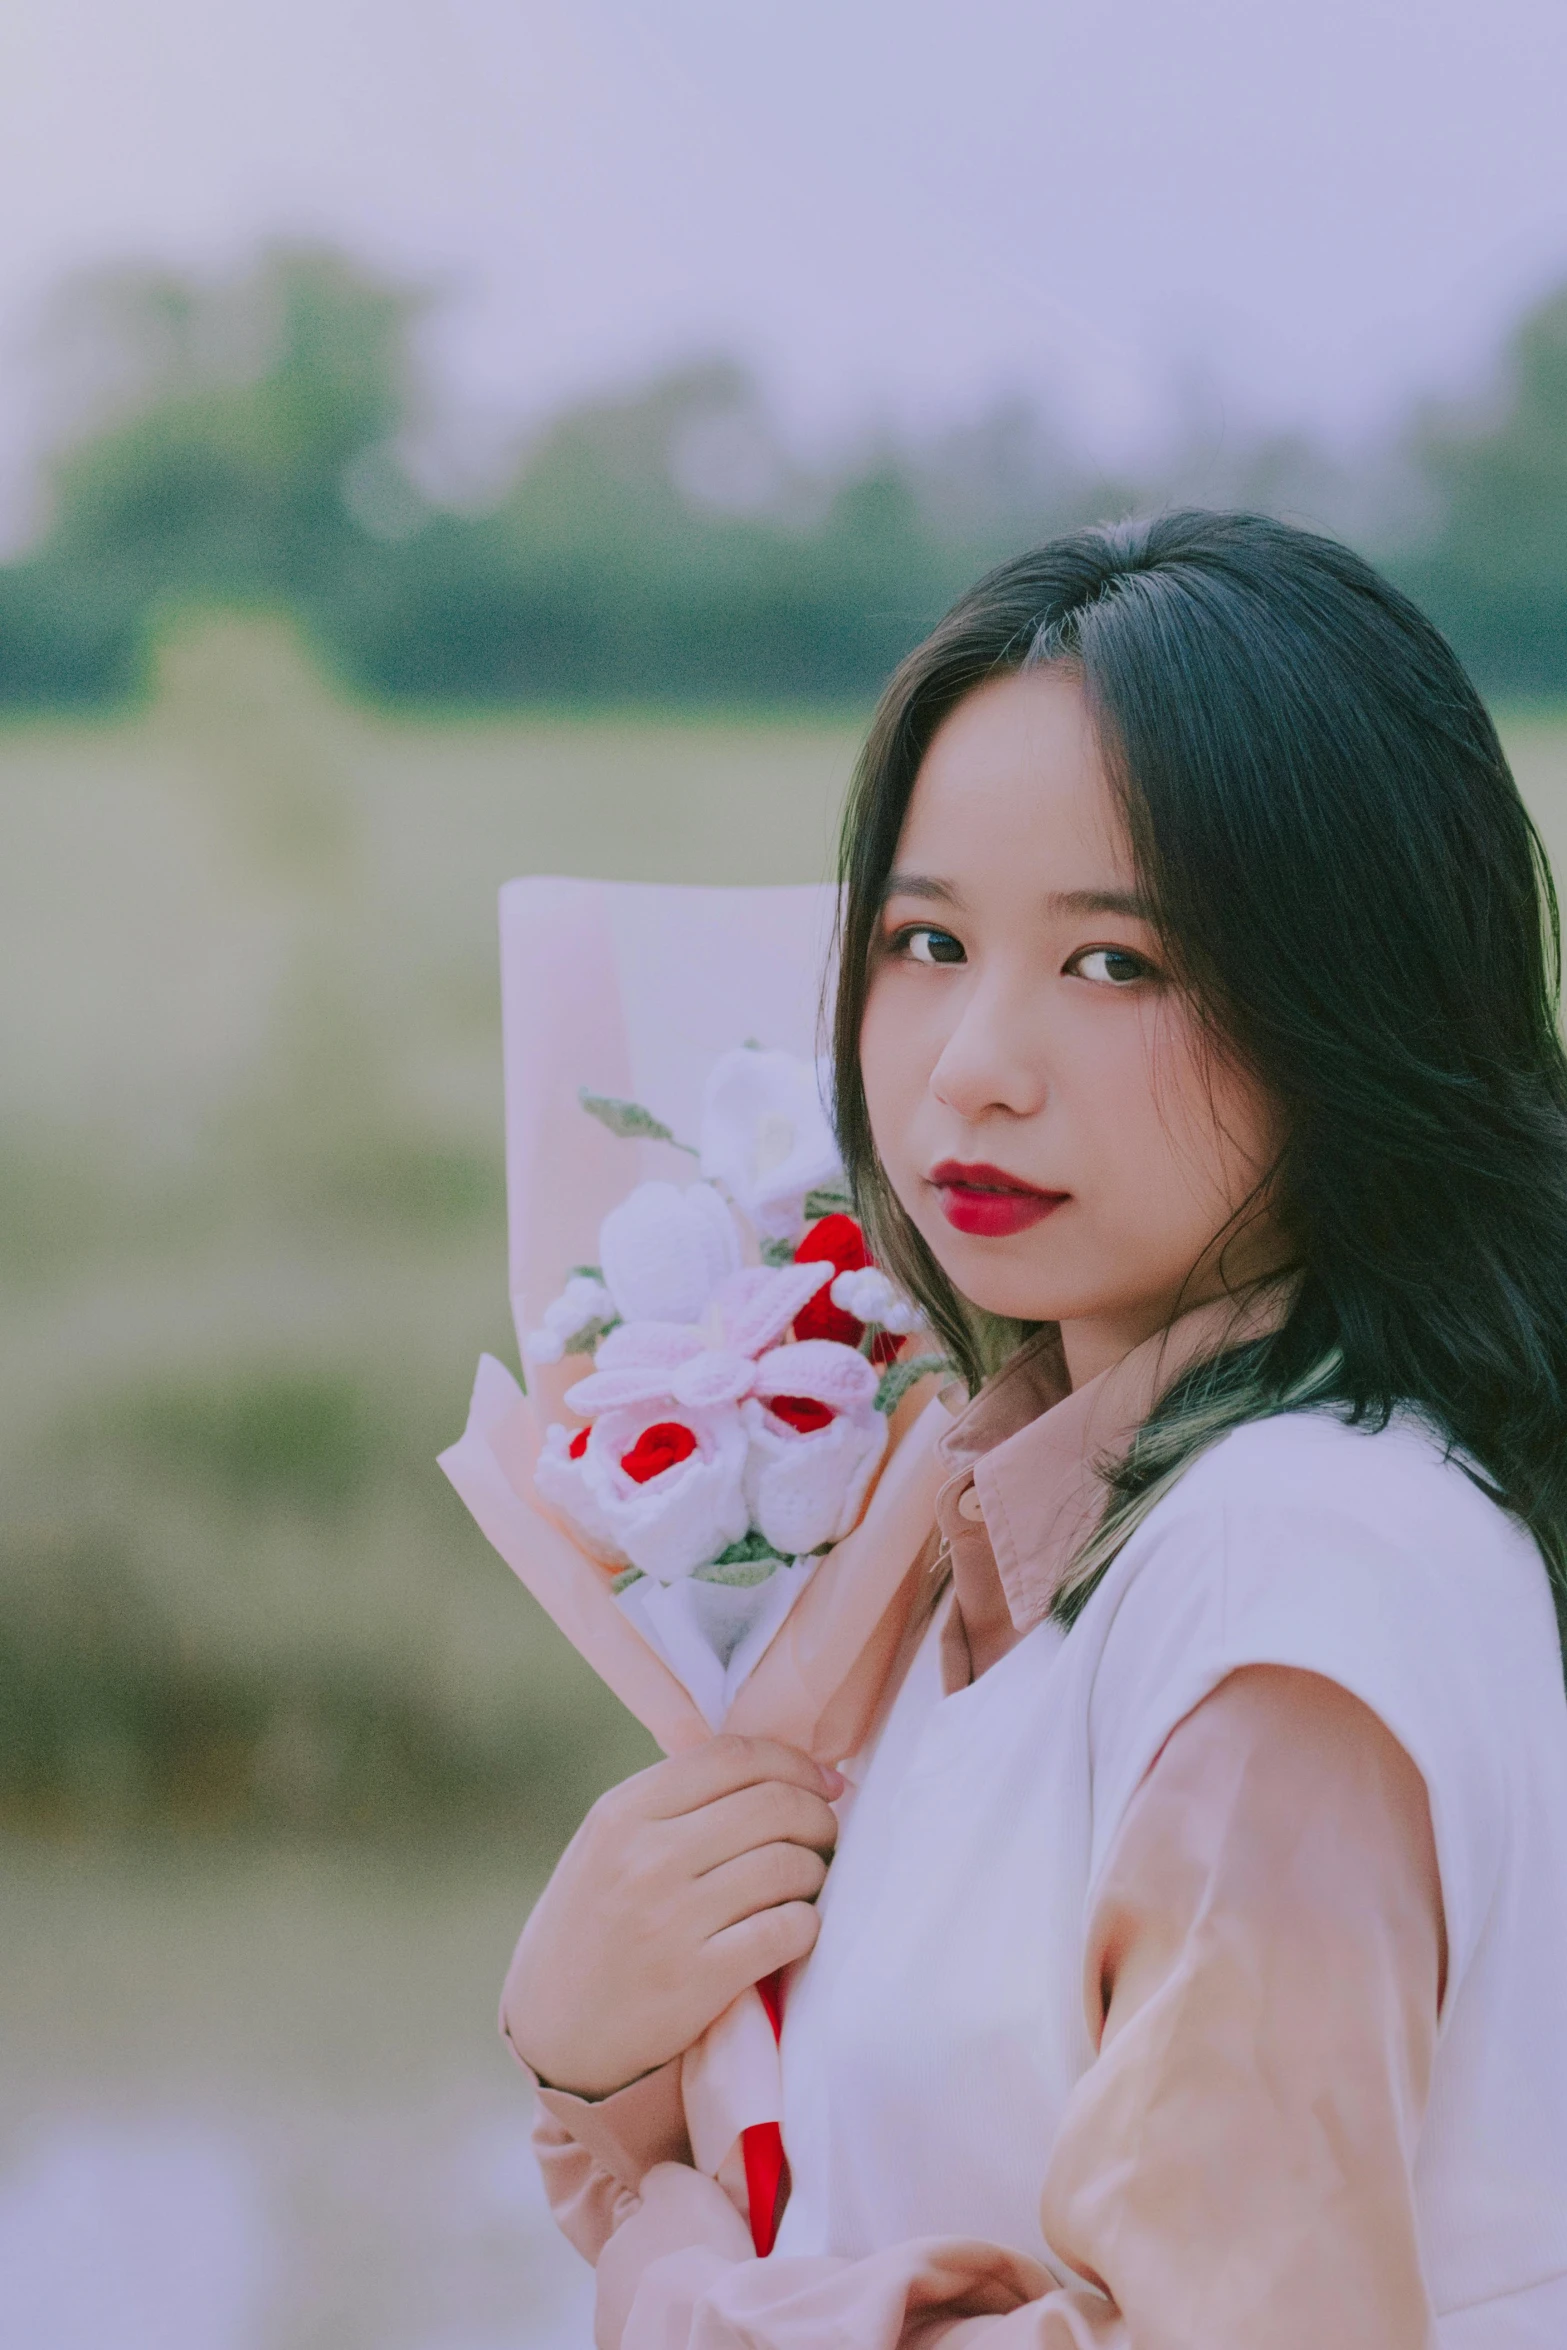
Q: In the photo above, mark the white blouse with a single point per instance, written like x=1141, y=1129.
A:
x=934, y=2038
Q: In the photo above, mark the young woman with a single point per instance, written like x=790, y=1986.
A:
x=1192, y=1970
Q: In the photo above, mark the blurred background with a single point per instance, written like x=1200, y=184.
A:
x=445, y=441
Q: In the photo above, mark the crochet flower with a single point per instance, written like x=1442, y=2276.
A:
x=562, y=1484
x=859, y=1294
x=651, y=1486
x=583, y=1311
x=712, y=1362
x=657, y=1480
x=765, y=1137
x=814, y=1440
x=866, y=1294
x=664, y=1252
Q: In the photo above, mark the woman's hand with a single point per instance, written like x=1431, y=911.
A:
x=681, y=1887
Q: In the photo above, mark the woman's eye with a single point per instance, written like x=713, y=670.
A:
x=925, y=945
x=1109, y=966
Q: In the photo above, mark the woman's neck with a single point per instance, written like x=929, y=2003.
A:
x=1098, y=1344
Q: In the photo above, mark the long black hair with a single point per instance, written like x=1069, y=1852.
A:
x=1347, y=881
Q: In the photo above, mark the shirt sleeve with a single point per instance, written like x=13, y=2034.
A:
x=1263, y=1975
x=594, y=2153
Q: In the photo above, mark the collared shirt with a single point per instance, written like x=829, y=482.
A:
x=1025, y=1491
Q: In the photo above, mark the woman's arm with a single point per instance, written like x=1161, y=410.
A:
x=1264, y=1971
x=681, y=1887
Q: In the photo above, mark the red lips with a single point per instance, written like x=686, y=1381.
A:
x=988, y=1202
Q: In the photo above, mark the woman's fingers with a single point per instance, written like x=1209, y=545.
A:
x=688, y=1781
x=759, y=1945
x=681, y=1887
x=768, y=1878
x=773, y=1812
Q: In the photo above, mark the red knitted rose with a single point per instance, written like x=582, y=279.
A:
x=838, y=1241
x=801, y=1412
x=663, y=1446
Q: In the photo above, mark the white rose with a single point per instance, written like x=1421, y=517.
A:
x=561, y=1479
x=765, y=1137
x=681, y=1499
x=664, y=1251
x=814, y=1438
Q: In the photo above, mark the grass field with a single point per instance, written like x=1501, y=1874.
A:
x=252, y=1230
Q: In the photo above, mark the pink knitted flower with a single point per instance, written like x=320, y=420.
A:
x=814, y=1439
x=655, y=1486
x=707, y=1363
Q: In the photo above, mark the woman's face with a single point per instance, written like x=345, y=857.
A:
x=1042, y=1097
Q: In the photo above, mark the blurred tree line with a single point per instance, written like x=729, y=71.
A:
x=247, y=448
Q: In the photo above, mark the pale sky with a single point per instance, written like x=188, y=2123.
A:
x=895, y=209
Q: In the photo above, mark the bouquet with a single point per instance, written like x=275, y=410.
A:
x=721, y=1479
x=737, y=1411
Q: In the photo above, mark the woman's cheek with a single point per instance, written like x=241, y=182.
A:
x=896, y=1058
x=1128, y=1153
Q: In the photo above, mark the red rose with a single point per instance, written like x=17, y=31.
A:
x=663, y=1446
x=839, y=1242
x=801, y=1412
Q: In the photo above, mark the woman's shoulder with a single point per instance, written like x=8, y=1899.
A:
x=1369, y=1556
x=1317, y=1487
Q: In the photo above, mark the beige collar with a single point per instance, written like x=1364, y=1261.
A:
x=1032, y=1448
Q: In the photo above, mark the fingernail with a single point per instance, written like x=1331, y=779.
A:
x=834, y=1781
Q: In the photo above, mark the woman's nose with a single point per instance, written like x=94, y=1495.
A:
x=994, y=1058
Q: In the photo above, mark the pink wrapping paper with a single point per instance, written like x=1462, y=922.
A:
x=634, y=991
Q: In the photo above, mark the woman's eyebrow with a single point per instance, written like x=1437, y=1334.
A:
x=1125, y=902
x=1101, y=901
x=920, y=885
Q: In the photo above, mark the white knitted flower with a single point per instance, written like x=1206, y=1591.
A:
x=667, y=1484
x=665, y=1251
x=562, y=1484
x=583, y=1306
x=765, y=1137
x=814, y=1439
x=870, y=1297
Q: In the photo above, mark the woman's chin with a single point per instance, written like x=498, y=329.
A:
x=990, y=1275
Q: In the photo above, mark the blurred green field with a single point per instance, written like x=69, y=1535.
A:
x=252, y=1228
x=252, y=1232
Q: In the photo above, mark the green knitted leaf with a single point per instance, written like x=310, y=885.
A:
x=898, y=1378
x=629, y=1120
x=586, y=1340
x=750, y=1560
x=739, y=1574
x=751, y=1545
